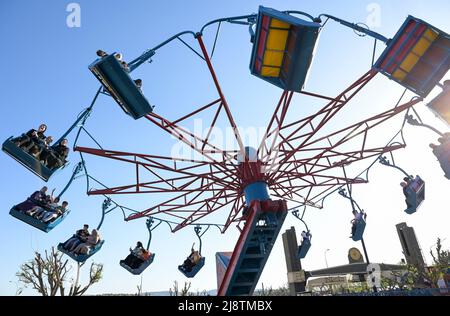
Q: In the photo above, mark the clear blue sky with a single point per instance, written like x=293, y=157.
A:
x=45, y=79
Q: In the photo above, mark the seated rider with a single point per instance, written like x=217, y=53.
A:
x=32, y=199
x=405, y=184
x=39, y=214
x=80, y=237
x=191, y=261
x=357, y=218
x=30, y=137
x=138, y=83
x=55, y=213
x=122, y=62
x=145, y=254
x=37, y=148
x=416, y=183
x=305, y=236
x=92, y=240
x=39, y=205
x=137, y=256
x=102, y=54
x=55, y=157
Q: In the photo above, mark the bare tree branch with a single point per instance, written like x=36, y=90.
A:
x=48, y=275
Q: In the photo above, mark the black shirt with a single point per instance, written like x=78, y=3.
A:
x=61, y=151
x=82, y=233
x=40, y=135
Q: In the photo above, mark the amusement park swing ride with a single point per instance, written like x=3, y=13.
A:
x=293, y=163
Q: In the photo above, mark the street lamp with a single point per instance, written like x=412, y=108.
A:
x=325, y=255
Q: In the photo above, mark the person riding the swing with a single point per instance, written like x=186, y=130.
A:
x=31, y=137
x=305, y=236
x=191, y=261
x=56, y=156
x=137, y=256
x=358, y=216
x=405, y=184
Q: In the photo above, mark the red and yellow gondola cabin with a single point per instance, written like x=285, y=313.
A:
x=283, y=48
x=417, y=57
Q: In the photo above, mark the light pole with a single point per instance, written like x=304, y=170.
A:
x=325, y=255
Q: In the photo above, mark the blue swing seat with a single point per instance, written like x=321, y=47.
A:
x=303, y=248
x=120, y=86
x=359, y=231
x=81, y=258
x=30, y=220
x=141, y=268
x=415, y=195
x=27, y=160
x=195, y=269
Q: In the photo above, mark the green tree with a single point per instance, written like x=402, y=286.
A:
x=404, y=279
x=410, y=277
x=441, y=263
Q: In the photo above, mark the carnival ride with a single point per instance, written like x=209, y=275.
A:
x=293, y=164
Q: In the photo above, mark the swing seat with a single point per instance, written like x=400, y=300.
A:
x=81, y=258
x=120, y=86
x=141, y=268
x=359, y=230
x=415, y=195
x=30, y=220
x=303, y=248
x=28, y=161
x=195, y=269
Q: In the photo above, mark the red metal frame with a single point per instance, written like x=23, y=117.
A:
x=296, y=165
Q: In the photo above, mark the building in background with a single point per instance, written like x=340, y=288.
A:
x=411, y=247
x=296, y=276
